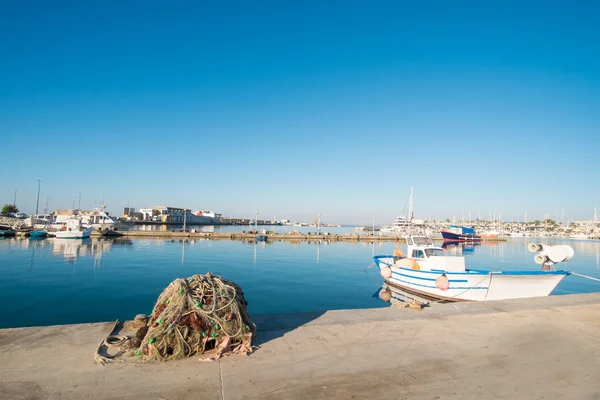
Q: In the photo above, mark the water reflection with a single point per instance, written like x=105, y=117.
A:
x=72, y=249
x=393, y=294
x=459, y=248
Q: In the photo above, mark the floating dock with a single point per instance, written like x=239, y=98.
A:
x=513, y=349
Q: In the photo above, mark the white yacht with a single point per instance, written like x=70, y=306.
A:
x=98, y=218
x=39, y=221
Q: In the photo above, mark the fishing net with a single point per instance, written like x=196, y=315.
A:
x=197, y=315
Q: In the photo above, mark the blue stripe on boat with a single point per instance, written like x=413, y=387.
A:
x=425, y=279
x=435, y=287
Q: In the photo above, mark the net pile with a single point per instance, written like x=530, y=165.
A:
x=197, y=315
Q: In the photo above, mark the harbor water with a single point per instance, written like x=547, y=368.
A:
x=62, y=281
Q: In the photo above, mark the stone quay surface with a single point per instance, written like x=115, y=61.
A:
x=541, y=348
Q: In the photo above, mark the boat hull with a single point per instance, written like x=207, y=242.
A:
x=456, y=237
x=473, y=285
x=74, y=234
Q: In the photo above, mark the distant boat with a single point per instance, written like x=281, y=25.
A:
x=97, y=218
x=38, y=234
x=73, y=229
x=39, y=221
x=428, y=272
x=579, y=236
x=489, y=234
x=457, y=233
x=7, y=232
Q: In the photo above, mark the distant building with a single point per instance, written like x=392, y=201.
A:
x=175, y=215
x=163, y=214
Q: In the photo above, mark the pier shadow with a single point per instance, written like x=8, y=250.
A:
x=273, y=326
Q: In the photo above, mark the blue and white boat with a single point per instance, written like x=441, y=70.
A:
x=428, y=272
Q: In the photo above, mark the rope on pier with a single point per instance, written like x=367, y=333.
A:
x=110, y=341
x=194, y=316
x=585, y=276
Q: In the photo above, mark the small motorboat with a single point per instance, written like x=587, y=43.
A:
x=38, y=234
x=7, y=232
x=429, y=272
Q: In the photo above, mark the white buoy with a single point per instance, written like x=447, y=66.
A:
x=386, y=272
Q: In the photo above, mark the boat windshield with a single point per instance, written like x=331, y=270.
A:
x=422, y=241
x=434, y=252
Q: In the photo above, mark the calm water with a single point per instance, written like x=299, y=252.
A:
x=59, y=281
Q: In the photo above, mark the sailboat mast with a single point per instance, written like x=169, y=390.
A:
x=410, y=206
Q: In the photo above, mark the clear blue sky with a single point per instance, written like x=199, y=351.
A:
x=298, y=108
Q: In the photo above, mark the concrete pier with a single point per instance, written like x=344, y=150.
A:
x=543, y=348
x=365, y=237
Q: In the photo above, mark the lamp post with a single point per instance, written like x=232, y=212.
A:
x=373, y=226
x=15, y=198
x=184, y=218
x=256, y=223
x=79, y=204
x=318, y=224
x=37, y=205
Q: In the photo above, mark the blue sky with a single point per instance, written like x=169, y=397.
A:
x=298, y=108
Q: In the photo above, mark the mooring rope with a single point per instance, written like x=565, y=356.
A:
x=110, y=341
x=585, y=276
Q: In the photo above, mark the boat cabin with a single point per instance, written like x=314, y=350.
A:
x=431, y=257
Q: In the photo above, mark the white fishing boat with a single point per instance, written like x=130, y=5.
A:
x=428, y=271
x=73, y=229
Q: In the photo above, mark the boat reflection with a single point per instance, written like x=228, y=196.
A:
x=72, y=249
x=393, y=294
x=460, y=248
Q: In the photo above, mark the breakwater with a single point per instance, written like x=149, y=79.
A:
x=251, y=236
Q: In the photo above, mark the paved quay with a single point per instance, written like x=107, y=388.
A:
x=542, y=348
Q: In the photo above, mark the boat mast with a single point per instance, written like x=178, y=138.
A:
x=410, y=211
x=410, y=206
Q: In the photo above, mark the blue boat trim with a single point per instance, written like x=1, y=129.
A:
x=426, y=279
x=479, y=271
x=435, y=287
